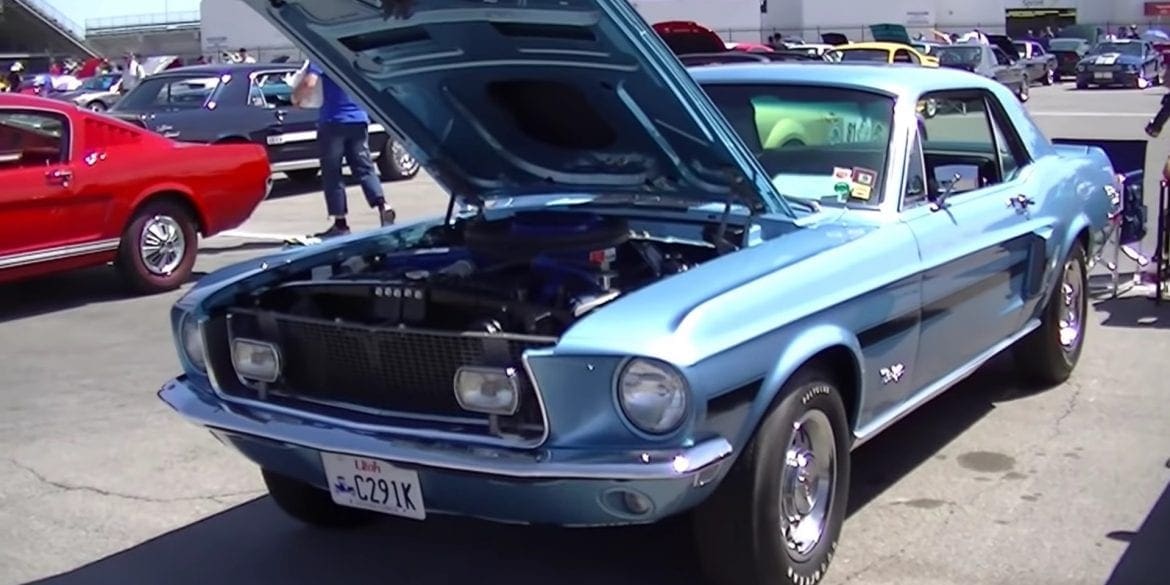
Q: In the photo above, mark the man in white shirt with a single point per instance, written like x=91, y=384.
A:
x=133, y=74
x=245, y=57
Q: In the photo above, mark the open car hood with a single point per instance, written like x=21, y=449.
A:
x=1005, y=44
x=890, y=33
x=501, y=98
x=685, y=37
x=834, y=38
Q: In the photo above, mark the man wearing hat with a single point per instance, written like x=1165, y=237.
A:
x=13, y=78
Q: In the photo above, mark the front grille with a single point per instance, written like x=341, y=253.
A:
x=391, y=371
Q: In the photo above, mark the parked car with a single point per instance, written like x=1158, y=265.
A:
x=1069, y=52
x=1130, y=63
x=817, y=50
x=881, y=53
x=83, y=189
x=638, y=304
x=989, y=61
x=96, y=93
x=688, y=38
x=1039, y=65
x=246, y=103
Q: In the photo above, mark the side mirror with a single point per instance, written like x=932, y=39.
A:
x=940, y=201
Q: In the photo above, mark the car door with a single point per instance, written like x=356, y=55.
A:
x=1007, y=70
x=978, y=246
x=291, y=133
x=42, y=216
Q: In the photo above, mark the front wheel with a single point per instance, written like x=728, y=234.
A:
x=396, y=164
x=311, y=505
x=778, y=514
x=1025, y=92
x=158, y=247
x=1048, y=355
x=1049, y=77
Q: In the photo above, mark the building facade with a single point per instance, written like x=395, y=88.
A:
x=228, y=25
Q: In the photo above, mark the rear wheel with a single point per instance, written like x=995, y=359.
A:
x=396, y=164
x=778, y=514
x=1049, y=77
x=96, y=106
x=1048, y=355
x=1025, y=92
x=158, y=247
x=311, y=505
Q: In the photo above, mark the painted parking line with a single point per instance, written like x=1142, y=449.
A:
x=1092, y=114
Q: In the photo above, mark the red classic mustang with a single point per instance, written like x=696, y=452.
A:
x=78, y=188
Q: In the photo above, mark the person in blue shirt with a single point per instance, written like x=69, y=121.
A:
x=343, y=133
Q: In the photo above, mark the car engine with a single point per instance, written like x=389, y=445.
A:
x=533, y=273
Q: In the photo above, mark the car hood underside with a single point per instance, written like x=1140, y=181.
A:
x=510, y=97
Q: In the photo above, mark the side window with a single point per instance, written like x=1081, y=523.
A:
x=918, y=187
x=1001, y=57
x=1037, y=50
x=271, y=90
x=972, y=144
x=902, y=56
x=30, y=139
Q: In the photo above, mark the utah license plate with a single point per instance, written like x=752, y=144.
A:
x=370, y=484
x=1103, y=75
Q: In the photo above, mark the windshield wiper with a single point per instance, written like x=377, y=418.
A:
x=810, y=205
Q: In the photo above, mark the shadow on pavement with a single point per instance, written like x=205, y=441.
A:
x=1147, y=559
x=1134, y=311
x=256, y=543
x=64, y=291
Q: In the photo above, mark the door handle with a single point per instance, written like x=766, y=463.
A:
x=280, y=115
x=59, y=177
x=1021, y=202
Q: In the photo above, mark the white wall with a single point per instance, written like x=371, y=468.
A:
x=231, y=25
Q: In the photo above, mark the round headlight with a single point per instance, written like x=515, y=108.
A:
x=653, y=395
x=192, y=339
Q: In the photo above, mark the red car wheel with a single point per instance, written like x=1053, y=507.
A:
x=158, y=248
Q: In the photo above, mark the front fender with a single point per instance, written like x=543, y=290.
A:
x=798, y=351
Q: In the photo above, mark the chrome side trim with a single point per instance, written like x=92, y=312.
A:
x=307, y=163
x=660, y=464
x=862, y=436
x=58, y=253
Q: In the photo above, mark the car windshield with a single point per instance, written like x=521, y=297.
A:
x=171, y=92
x=1134, y=49
x=817, y=143
x=99, y=83
x=960, y=55
x=1064, y=44
x=864, y=55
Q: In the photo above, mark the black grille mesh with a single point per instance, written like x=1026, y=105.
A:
x=388, y=369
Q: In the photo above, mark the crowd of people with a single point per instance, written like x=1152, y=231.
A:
x=976, y=35
x=65, y=75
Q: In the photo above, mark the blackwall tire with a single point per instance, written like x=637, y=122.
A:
x=310, y=505
x=743, y=531
x=396, y=164
x=158, y=248
x=1048, y=355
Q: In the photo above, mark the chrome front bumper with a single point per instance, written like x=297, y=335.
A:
x=569, y=484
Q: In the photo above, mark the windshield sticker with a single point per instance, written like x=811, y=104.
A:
x=860, y=191
x=863, y=176
x=843, y=191
x=842, y=174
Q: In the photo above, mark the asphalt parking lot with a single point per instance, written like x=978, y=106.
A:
x=101, y=483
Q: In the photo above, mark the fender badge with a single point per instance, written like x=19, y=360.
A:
x=892, y=374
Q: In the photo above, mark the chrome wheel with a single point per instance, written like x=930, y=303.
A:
x=402, y=159
x=931, y=109
x=1072, y=302
x=162, y=245
x=807, y=484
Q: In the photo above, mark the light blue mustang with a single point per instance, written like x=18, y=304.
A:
x=654, y=295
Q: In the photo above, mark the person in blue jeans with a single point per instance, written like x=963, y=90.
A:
x=343, y=133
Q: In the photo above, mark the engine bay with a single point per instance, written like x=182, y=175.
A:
x=532, y=273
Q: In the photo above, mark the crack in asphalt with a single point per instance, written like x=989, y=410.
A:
x=1069, y=407
x=69, y=487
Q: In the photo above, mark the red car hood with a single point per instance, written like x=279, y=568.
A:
x=685, y=37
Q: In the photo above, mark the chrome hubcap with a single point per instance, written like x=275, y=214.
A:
x=807, y=484
x=401, y=157
x=1071, y=304
x=162, y=245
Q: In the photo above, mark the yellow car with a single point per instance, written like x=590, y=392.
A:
x=883, y=53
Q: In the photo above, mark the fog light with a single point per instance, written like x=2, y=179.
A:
x=256, y=360
x=488, y=390
x=636, y=503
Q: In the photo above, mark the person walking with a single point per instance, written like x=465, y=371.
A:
x=133, y=73
x=342, y=133
x=14, y=79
